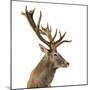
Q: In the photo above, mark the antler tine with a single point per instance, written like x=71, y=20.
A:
x=54, y=36
x=47, y=26
x=32, y=11
x=38, y=24
x=25, y=11
x=26, y=8
x=38, y=32
x=29, y=16
x=62, y=42
x=50, y=29
x=60, y=33
x=36, y=28
x=61, y=37
x=47, y=32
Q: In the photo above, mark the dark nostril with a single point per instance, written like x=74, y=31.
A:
x=67, y=63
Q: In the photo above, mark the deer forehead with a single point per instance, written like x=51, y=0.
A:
x=54, y=51
x=56, y=55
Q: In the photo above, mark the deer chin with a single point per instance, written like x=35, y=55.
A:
x=64, y=66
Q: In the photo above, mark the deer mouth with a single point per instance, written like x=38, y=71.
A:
x=65, y=65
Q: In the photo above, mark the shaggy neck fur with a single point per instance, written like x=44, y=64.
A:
x=43, y=74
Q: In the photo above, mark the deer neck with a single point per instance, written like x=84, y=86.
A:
x=45, y=63
x=45, y=70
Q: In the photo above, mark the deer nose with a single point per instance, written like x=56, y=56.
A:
x=67, y=63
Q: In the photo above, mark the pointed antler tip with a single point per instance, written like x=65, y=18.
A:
x=34, y=10
x=47, y=25
x=40, y=14
x=26, y=8
x=40, y=11
x=56, y=31
x=67, y=41
x=50, y=29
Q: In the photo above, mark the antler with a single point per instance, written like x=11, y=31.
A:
x=45, y=31
x=36, y=28
x=29, y=16
x=60, y=40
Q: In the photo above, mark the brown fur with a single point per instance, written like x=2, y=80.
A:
x=42, y=75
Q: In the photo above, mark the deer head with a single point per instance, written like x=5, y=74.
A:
x=51, y=54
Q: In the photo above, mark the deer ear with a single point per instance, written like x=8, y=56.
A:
x=43, y=49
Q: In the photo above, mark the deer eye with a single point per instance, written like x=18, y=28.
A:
x=55, y=54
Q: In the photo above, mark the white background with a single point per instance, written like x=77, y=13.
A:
x=25, y=49
x=5, y=46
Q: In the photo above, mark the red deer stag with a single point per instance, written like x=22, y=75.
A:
x=43, y=73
